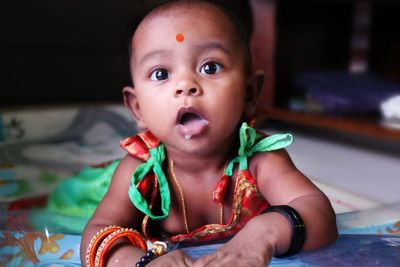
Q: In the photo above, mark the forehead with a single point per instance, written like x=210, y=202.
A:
x=195, y=19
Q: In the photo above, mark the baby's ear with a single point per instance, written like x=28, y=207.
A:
x=254, y=88
x=132, y=104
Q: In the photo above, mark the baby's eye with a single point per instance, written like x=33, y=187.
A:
x=159, y=75
x=210, y=68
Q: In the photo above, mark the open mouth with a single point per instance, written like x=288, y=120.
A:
x=187, y=116
x=190, y=122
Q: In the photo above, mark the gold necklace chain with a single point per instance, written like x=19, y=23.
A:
x=171, y=168
x=173, y=175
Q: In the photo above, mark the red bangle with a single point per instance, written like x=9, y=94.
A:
x=95, y=243
x=105, y=238
x=133, y=236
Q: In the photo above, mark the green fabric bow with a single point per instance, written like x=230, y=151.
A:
x=154, y=163
x=248, y=147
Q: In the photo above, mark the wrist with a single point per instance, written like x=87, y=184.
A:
x=105, y=240
x=264, y=235
x=123, y=255
x=298, y=230
x=273, y=231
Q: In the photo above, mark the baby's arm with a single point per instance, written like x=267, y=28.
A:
x=116, y=209
x=281, y=183
x=270, y=234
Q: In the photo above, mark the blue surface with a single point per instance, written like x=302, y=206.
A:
x=348, y=250
x=367, y=238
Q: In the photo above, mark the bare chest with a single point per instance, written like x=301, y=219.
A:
x=192, y=206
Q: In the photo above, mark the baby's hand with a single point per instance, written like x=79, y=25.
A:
x=232, y=258
x=244, y=249
x=175, y=258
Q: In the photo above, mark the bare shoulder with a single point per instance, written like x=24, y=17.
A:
x=278, y=179
x=124, y=170
x=271, y=164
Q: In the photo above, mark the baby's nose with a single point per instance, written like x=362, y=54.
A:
x=189, y=91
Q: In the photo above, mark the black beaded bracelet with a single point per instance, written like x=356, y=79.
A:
x=145, y=259
x=158, y=248
x=298, y=228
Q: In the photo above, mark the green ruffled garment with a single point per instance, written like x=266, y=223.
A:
x=74, y=201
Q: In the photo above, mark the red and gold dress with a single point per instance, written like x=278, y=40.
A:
x=150, y=194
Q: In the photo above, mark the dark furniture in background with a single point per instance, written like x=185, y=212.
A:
x=317, y=35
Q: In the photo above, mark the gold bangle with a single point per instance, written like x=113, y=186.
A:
x=95, y=243
x=133, y=236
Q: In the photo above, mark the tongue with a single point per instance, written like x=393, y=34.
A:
x=191, y=127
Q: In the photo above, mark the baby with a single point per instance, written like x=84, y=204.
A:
x=198, y=172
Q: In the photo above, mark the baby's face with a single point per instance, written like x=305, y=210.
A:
x=190, y=77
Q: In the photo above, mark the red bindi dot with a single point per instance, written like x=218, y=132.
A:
x=180, y=37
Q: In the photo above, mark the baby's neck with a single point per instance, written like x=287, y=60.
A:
x=196, y=164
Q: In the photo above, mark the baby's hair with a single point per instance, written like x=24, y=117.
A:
x=241, y=23
x=242, y=20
